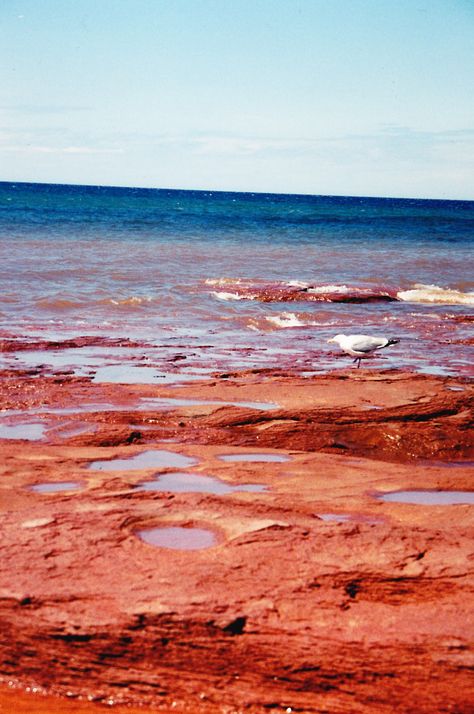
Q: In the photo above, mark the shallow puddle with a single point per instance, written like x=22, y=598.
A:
x=75, y=359
x=155, y=458
x=182, y=482
x=345, y=517
x=178, y=537
x=436, y=370
x=131, y=374
x=256, y=405
x=28, y=432
x=56, y=487
x=144, y=404
x=338, y=517
x=171, y=402
x=85, y=407
x=277, y=458
x=430, y=498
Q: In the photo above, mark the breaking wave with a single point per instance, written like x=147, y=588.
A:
x=295, y=291
x=299, y=291
x=229, y=296
x=132, y=301
x=435, y=295
x=286, y=319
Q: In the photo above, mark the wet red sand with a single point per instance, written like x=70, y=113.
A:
x=288, y=612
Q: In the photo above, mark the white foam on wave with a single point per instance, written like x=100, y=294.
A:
x=230, y=296
x=298, y=284
x=132, y=300
x=435, y=295
x=286, y=319
x=322, y=289
x=223, y=281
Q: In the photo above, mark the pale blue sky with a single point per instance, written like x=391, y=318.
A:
x=359, y=97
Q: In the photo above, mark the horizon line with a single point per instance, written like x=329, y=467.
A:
x=221, y=190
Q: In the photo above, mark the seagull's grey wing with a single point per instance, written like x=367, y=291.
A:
x=364, y=343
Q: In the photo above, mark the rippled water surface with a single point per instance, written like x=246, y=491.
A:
x=219, y=281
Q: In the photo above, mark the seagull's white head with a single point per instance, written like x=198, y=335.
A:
x=336, y=338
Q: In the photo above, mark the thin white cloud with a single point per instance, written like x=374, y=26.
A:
x=60, y=150
x=249, y=145
x=388, y=140
x=32, y=109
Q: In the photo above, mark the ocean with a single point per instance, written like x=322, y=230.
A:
x=191, y=283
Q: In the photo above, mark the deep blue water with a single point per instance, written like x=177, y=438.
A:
x=159, y=213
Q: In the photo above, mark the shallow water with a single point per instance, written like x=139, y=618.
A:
x=182, y=482
x=132, y=374
x=86, y=407
x=152, y=459
x=277, y=458
x=347, y=517
x=337, y=517
x=56, y=487
x=80, y=361
x=173, y=403
x=430, y=498
x=178, y=538
x=28, y=432
x=143, y=404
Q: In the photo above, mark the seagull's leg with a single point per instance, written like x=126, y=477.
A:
x=359, y=360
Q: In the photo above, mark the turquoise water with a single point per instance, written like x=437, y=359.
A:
x=231, y=281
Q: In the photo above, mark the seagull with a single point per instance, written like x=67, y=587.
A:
x=360, y=346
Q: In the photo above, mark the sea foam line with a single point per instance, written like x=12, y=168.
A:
x=435, y=295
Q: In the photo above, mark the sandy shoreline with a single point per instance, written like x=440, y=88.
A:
x=316, y=595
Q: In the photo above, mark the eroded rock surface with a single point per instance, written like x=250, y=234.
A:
x=368, y=610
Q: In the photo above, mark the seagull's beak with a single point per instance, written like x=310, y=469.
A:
x=331, y=339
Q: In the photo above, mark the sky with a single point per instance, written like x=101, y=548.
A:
x=340, y=97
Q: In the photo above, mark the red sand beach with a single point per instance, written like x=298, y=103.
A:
x=311, y=593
